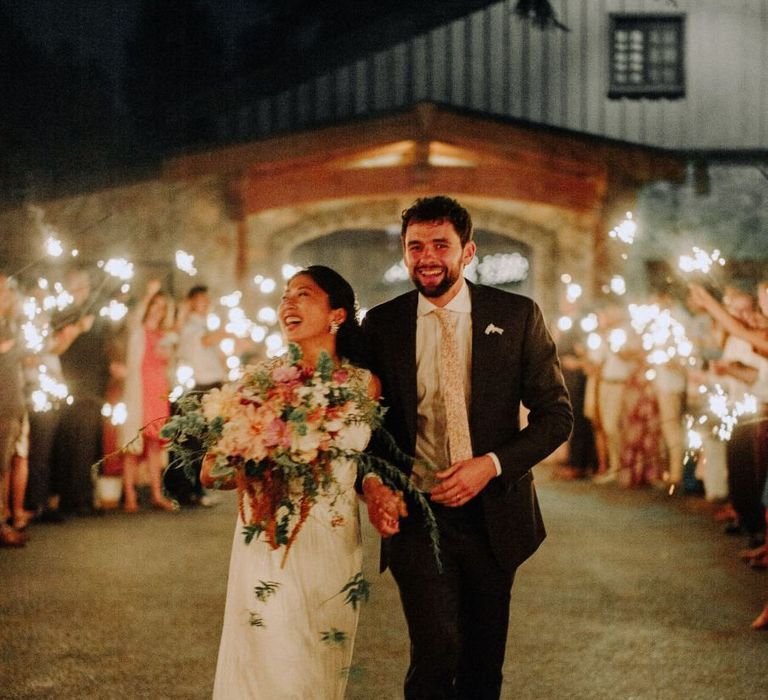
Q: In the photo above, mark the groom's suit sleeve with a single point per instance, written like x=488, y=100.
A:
x=541, y=389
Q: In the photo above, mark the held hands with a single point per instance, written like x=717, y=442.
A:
x=385, y=506
x=462, y=481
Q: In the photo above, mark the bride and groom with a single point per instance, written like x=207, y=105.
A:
x=452, y=362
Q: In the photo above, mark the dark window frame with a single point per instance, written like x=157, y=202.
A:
x=647, y=88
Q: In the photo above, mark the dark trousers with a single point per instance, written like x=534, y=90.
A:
x=184, y=486
x=78, y=446
x=457, y=620
x=746, y=477
x=42, y=430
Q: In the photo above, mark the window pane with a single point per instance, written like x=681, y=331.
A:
x=646, y=55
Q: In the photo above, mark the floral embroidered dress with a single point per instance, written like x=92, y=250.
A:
x=288, y=628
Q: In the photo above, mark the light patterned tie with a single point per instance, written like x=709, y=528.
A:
x=452, y=389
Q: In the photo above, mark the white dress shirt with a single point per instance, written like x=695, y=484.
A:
x=206, y=361
x=431, y=433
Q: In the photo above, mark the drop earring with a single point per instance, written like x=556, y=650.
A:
x=334, y=328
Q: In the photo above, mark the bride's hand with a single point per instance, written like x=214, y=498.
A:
x=385, y=507
x=207, y=481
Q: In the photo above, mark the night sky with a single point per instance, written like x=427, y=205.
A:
x=98, y=28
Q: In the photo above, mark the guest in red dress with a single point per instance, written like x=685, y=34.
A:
x=149, y=350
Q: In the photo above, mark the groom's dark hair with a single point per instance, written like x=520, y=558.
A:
x=438, y=209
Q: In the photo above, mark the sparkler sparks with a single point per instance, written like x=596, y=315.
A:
x=114, y=311
x=118, y=267
x=53, y=247
x=625, y=230
x=663, y=337
x=725, y=411
x=186, y=263
x=700, y=261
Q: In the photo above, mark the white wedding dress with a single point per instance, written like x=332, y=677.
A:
x=297, y=640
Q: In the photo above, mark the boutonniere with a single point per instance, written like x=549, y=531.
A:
x=490, y=328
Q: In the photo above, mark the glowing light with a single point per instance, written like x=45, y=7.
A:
x=700, y=260
x=258, y=333
x=274, y=343
x=227, y=346
x=119, y=414
x=40, y=401
x=617, y=339
x=267, y=315
x=119, y=268
x=564, y=323
x=618, y=285
x=114, y=311
x=695, y=441
x=176, y=393
x=75, y=252
x=34, y=337
x=212, y=322
x=573, y=291
x=233, y=362
x=124, y=289
x=663, y=337
x=589, y=323
x=186, y=262
x=625, y=230
x=396, y=273
x=53, y=247
x=594, y=341
x=267, y=286
x=289, y=270
x=501, y=268
x=29, y=308
x=42, y=283
x=231, y=300
x=565, y=278
x=185, y=376
x=727, y=411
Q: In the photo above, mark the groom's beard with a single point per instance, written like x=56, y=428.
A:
x=437, y=290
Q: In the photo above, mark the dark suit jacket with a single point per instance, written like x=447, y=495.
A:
x=517, y=366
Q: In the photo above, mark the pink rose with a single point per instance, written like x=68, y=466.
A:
x=277, y=433
x=285, y=373
x=340, y=376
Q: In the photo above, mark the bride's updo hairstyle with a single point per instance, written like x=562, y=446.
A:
x=349, y=338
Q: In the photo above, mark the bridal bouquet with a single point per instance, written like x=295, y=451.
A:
x=276, y=433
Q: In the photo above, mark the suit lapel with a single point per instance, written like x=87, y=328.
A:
x=403, y=344
x=484, y=352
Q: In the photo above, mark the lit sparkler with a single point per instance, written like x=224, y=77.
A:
x=114, y=311
x=118, y=267
x=625, y=230
x=186, y=263
x=725, y=411
x=663, y=337
x=700, y=261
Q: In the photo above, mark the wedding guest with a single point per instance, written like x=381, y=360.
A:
x=150, y=345
x=619, y=361
x=739, y=368
x=582, y=455
x=669, y=383
x=11, y=400
x=16, y=479
x=40, y=499
x=199, y=350
x=85, y=366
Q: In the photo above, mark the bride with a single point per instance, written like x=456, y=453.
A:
x=289, y=628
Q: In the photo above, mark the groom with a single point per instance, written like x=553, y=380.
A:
x=456, y=360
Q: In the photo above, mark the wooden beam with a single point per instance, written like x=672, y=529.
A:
x=518, y=183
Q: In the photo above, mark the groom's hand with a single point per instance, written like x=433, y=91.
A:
x=462, y=481
x=385, y=506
